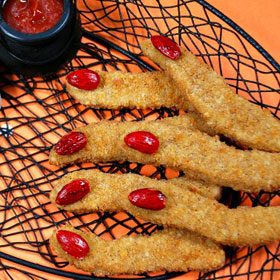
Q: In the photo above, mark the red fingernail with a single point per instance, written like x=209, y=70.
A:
x=142, y=141
x=166, y=46
x=148, y=199
x=73, y=192
x=71, y=143
x=84, y=79
x=73, y=244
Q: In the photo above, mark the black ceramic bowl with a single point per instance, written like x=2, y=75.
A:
x=42, y=53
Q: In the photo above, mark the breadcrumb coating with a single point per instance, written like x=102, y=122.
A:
x=141, y=90
x=200, y=156
x=213, y=100
x=136, y=90
x=167, y=250
x=184, y=209
x=201, y=188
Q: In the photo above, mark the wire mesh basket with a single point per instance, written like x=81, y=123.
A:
x=36, y=112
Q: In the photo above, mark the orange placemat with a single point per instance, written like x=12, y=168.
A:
x=260, y=18
x=36, y=112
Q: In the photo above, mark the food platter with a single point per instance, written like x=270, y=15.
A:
x=36, y=112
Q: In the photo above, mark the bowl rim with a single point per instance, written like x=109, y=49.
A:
x=18, y=36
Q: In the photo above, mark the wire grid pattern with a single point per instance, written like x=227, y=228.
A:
x=36, y=112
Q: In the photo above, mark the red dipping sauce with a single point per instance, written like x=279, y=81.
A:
x=32, y=16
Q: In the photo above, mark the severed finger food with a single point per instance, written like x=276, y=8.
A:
x=79, y=186
x=167, y=250
x=194, y=221
x=200, y=156
x=135, y=90
x=213, y=100
x=165, y=203
x=141, y=90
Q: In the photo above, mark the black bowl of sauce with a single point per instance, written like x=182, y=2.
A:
x=38, y=36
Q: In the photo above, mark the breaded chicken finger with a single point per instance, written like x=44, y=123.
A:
x=223, y=111
x=184, y=209
x=136, y=90
x=141, y=90
x=168, y=250
x=200, y=156
x=210, y=191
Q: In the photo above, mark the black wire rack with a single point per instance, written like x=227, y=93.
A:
x=36, y=112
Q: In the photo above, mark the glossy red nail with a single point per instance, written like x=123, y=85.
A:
x=84, y=79
x=148, y=199
x=142, y=141
x=166, y=46
x=73, y=192
x=73, y=244
x=71, y=143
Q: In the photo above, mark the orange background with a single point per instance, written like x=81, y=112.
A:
x=259, y=18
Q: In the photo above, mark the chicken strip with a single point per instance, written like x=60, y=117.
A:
x=136, y=90
x=210, y=191
x=167, y=250
x=200, y=156
x=213, y=100
x=184, y=209
x=141, y=90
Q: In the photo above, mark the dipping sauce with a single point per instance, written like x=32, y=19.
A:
x=32, y=16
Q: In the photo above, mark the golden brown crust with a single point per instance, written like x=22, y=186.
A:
x=200, y=156
x=201, y=188
x=136, y=90
x=130, y=90
x=184, y=209
x=168, y=250
x=224, y=112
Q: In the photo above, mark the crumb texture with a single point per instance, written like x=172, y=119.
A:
x=184, y=209
x=213, y=100
x=200, y=156
x=168, y=250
